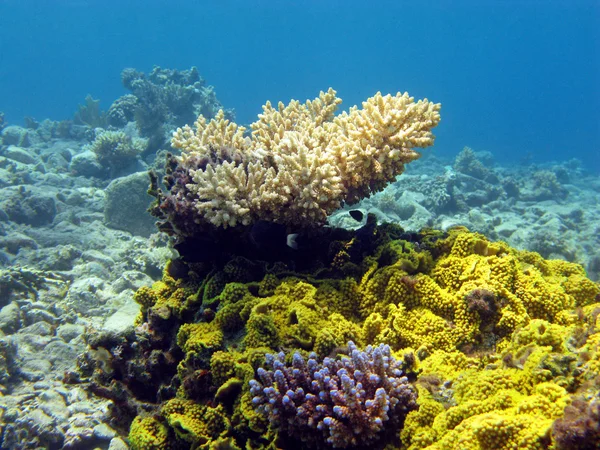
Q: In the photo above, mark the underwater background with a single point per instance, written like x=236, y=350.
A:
x=514, y=77
x=191, y=259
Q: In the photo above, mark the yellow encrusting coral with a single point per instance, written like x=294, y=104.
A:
x=147, y=433
x=193, y=422
x=498, y=339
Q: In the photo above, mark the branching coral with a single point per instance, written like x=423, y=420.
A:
x=348, y=401
x=300, y=164
x=113, y=149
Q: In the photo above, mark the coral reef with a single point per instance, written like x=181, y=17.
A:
x=122, y=110
x=344, y=402
x=163, y=100
x=498, y=340
x=515, y=397
x=580, y=427
x=301, y=164
x=115, y=149
x=467, y=162
x=501, y=345
x=90, y=114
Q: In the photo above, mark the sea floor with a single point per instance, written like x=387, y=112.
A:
x=74, y=248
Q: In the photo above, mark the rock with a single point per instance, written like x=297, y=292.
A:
x=5, y=258
x=42, y=386
x=10, y=318
x=17, y=241
x=86, y=164
x=54, y=405
x=99, y=257
x=132, y=279
x=506, y=229
x=83, y=294
x=29, y=206
x=37, y=330
x=35, y=316
x=57, y=257
x=35, y=428
x=20, y=155
x=104, y=432
x=118, y=444
x=8, y=351
x=34, y=369
x=57, y=162
x=61, y=355
x=15, y=135
x=79, y=437
x=69, y=331
x=122, y=319
x=126, y=205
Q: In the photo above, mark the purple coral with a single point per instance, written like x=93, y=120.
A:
x=349, y=400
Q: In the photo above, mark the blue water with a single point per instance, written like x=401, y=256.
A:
x=514, y=77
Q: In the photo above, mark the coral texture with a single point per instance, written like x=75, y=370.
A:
x=301, y=163
x=349, y=400
x=500, y=341
x=162, y=100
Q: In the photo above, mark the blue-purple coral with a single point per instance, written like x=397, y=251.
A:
x=349, y=400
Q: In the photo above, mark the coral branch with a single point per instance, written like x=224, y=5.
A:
x=300, y=164
x=348, y=400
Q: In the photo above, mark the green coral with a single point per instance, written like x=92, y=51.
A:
x=197, y=337
x=506, y=400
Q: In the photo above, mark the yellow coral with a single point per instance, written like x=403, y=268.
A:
x=194, y=422
x=147, y=433
x=493, y=370
x=196, y=337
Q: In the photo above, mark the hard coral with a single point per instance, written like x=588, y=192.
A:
x=148, y=433
x=338, y=402
x=205, y=329
x=114, y=148
x=300, y=165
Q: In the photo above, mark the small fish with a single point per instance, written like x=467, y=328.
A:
x=177, y=268
x=272, y=236
x=356, y=214
x=292, y=241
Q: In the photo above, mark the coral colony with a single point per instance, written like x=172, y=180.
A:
x=301, y=163
x=303, y=350
x=349, y=400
